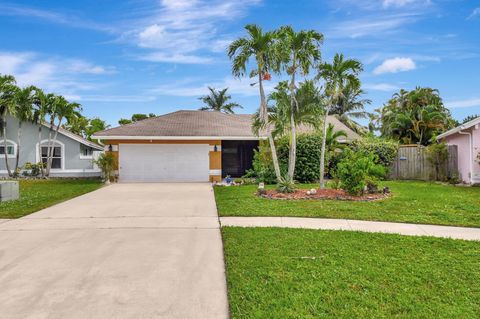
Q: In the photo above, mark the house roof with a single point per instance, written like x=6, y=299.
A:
x=76, y=137
x=460, y=128
x=198, y=125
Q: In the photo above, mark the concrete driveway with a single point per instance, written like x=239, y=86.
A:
x=124, y=251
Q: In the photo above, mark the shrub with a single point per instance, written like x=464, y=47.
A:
x=437, y=154
x=106, y=162
x=358, y=171
x=262, y=166
x=385, y=150
x=286, y=186
x=33, y=170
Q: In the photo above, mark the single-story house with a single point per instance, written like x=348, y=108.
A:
x=467, y=139
x=186, y=146
x=72, y=157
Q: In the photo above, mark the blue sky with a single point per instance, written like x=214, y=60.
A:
x=145, y=56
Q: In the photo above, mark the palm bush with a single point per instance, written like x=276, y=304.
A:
x=106, y=162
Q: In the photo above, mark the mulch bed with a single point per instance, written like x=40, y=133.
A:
x=337, y=194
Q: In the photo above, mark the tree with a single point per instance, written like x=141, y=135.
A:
x=8, y=90
x=42, y=106
x=262, y=47
x=300, y=52
x=217, y=100
x=24, y=100
x=415, y=117
x=351, y=106
x=61, y=109
x=85, y=127
x=336, y=76
x=135, y=118
x=470, y=118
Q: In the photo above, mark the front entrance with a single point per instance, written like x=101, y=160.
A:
x=237, y=157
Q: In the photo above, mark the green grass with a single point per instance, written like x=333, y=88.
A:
x=293, y=273
x=412, y=202
x=39, y=194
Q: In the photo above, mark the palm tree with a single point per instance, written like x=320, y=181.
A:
x=301, y=51
x=337, y=76
x=351, y=106
x=217, y=100
x=62, y=110
x=8, y=90
x=24, y=100
x=261, y=46
x=42, y=106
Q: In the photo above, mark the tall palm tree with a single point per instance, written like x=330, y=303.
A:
x=218, y=100
x=42, y=105
x=8, y=90
x=351, y=105
x=301, y=51
x=24, y=100
x=260, y=46
x=336, y=76
x=62, y=110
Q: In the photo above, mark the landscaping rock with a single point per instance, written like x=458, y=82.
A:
x=9, y=190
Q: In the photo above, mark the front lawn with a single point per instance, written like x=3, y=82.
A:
x=293, y=273
x=39, y=194
x=412, y=202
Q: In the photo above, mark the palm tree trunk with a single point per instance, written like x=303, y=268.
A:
x=264, y=117
x=50, y=159
x=42, y=170
x=292, y=154
x=4, y=132
x=49, y=146
x=19, y=136
x=322, y=155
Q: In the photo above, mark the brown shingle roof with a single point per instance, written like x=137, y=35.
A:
x=196, y=124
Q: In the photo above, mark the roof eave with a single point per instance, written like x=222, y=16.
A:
x=136, y=138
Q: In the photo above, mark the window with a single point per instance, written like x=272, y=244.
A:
x=56, y=158
x=86, y=152
x=10, y=150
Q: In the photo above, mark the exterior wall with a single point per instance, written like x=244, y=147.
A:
x=463, y=144
x=74, y=166
x=215, y=156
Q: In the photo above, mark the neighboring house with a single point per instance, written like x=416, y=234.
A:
x=467, y=139
x=73, y=155
x=186, y=146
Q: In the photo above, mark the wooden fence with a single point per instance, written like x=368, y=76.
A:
x=412, y=164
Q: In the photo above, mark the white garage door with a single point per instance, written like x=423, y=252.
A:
x=164, y=162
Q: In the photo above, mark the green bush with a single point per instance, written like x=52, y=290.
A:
x=385, y=150
x=358, y=171
x=437, y=155
x=286, y=186
x=307, y=165
x=262, y=166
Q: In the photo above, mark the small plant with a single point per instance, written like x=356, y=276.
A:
x=437, y=154
x=106, y=162
x=33, y=170
x=359, y=172
x=286, y=186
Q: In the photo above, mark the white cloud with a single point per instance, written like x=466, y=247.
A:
x=385, y=87
x=53, y=74
x=182, y=31
x=51, y=16
x=395, y=65
x=241, y=87
x=463, y=103
x=401, y=3
x=475, y=13
x=371, y=26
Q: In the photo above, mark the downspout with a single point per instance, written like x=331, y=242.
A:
x=471, y=153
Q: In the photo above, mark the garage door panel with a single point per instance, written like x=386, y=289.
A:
x=164, y=162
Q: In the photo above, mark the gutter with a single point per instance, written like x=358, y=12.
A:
x=470, y=151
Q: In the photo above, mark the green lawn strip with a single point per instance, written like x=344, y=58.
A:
x=412, y=202
x=293, y=273
x=38, y=194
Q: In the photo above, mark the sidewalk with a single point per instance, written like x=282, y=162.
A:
x=465, y=233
